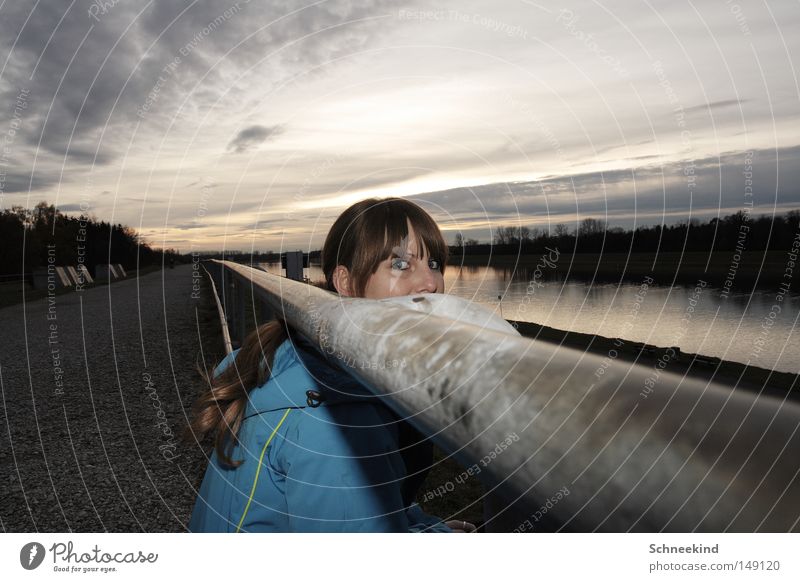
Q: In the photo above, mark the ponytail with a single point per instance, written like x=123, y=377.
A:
x=220, y=410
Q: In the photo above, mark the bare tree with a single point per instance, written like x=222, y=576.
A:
x=591, y=226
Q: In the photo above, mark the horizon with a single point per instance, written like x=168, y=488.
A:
x=533, y=237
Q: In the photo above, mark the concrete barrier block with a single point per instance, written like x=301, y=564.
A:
x=75, y=278
x=62, y=277
x=84, y=272
x=105, y=272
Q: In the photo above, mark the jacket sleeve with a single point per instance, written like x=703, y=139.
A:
x=338, y=479
x=419, y=521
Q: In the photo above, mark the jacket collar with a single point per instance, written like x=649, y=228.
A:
x=299, y=368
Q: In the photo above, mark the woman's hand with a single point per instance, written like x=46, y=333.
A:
x=460, y=526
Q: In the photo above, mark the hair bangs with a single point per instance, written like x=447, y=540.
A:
x=429, y=240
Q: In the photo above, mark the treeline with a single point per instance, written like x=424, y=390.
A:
x=243, y=257
x=739, y=231
x=28, y=237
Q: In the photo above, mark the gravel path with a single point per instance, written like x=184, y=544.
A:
x=96, y=387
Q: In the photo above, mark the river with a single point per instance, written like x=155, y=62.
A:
x=756, y=328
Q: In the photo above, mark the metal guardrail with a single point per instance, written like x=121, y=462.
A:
x=621, y=450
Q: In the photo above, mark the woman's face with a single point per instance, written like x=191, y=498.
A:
x=403, y=273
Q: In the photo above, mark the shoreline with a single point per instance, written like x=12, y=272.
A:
x=740, y=376
x=753, y=270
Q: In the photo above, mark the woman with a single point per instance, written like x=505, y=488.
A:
x=300, y=445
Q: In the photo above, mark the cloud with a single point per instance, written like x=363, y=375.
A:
x=715, y=105
x=21, y=183
x=262, y=224
x=146, y=97
x=253, y=136
x=139, y=199
x=69, y=207
x=645, y=195
x=92, y=79
x=189, y=225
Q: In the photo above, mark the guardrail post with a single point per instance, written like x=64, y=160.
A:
x=241, y=328
x=227, y=299
x=230, y=308
x=216, y=273
x=266, y=311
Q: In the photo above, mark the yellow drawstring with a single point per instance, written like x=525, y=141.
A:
x=260, y=460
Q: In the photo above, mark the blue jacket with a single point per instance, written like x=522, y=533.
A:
x=328, y=465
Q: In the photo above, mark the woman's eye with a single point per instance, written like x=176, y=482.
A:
x=401, y=264
x=434, y=264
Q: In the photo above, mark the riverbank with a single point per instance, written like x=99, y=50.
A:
x=749, y=270
x=670, y=359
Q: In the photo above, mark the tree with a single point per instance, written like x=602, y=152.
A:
x=590, y=226
x=88, y=241
x=512, y=235
x=561, y=230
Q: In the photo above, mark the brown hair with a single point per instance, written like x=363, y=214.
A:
x=374, y=224
x=220, y=410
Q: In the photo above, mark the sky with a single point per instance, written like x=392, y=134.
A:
x=251, y=125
